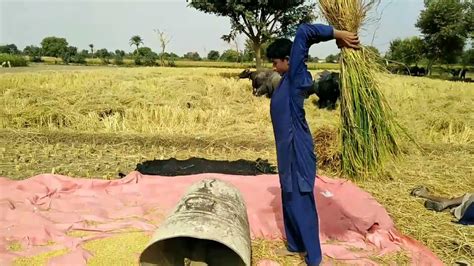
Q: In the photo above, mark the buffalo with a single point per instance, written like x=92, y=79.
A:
x=326, y=86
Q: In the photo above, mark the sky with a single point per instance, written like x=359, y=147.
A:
x=110, y=24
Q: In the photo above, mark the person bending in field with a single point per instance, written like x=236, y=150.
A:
x=294, y=144
x=461, y=207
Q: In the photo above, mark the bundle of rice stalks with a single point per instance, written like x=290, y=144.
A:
x=368, y=130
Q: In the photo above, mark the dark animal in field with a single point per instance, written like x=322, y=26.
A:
x=455, y=72
x=417, y=71
x=268, y=86
x=459, y=75
x=398, y=69
x=326, y=87
x=462, y=75
x=422, y=72
x=259, y=78
x=414, y=70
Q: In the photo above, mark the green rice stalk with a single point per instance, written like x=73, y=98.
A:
x=368, y=130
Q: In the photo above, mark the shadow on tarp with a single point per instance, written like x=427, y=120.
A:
x=192, y=166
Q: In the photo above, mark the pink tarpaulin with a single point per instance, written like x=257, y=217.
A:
x=44, y=208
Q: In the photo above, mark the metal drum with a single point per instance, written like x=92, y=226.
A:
x=209, y=226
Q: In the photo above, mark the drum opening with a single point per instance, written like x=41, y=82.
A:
x=189, y=251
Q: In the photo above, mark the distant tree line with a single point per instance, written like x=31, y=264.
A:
x=446, y=27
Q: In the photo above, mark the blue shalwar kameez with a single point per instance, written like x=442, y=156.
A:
x=295, y=148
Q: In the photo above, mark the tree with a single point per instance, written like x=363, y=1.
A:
x=80, y=57
x=136, y=40
x=230, y=55
x=171, y=57
x=213, y=55
x=445, y=25
x=468, y=58
x=194, y=56
x=174, y=56
x=408, y=51
x=34, y=52
x=9, y=49
x=313, y=58
x=145, y=56
x=331, y=58
x=164, y=41
x=92, y=49
x=259, y=20
x=118, y=59
x=103, y=54
x=470, y=19
x=54, y=46
x=249, y=52
x=68, y=54
x=120, y=53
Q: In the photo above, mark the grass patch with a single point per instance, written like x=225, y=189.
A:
x=15, y=60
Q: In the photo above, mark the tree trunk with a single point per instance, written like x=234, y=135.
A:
x=258, y=56
x=162, y=54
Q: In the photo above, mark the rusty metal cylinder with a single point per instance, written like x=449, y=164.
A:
x=209, y=226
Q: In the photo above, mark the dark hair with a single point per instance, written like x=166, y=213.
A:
x=279, y=49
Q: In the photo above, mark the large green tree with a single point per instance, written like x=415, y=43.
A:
x=408, y=51
x=249, y=52
x=33, y=52
x=194, y=56
x=333, y=58
x=103, y=54
x=445, y=25
x=145, y=56
x=259, y=20
x=468, y=58
x=230, y=55
x=9, y=49
x=69, y=54
x=54, y=46
x=213, y=55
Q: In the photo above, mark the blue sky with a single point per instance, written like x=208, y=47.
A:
x=110, y=24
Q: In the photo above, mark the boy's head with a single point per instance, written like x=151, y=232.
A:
x=279, y=53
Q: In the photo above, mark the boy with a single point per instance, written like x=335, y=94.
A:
x=294, y=144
